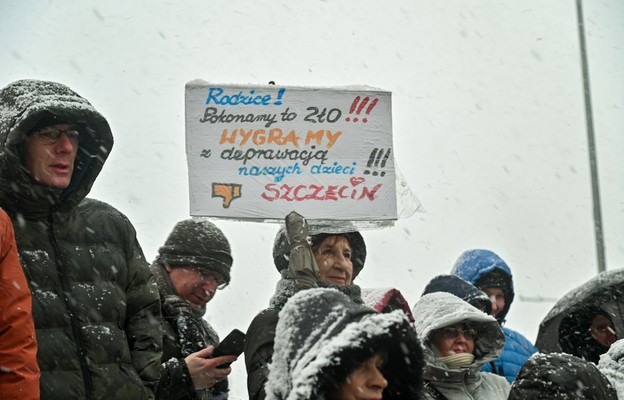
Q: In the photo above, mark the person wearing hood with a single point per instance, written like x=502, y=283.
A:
x=386, y=300
x=458, y=340
x=95, y=305
x=560, y=376
x=488, y=272
x=587, y=333
x=328, y=347
x=611, y=365
x=193, y=264
x=453, y=284
x=306, y=258
x=19, y=372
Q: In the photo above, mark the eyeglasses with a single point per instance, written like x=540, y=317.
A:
x=209, y=277
x=451, y=333
x=52, y=135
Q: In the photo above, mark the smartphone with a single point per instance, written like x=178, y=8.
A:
x=231, y=345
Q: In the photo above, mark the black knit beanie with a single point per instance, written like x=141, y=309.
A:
x=49, y=119
x=461, y=288
x=198, y=243
x=494, y=279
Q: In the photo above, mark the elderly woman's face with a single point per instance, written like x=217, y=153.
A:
x=333, y=256
x=366, y=382
x=454, y=339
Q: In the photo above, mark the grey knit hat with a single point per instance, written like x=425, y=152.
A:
x=198, y=243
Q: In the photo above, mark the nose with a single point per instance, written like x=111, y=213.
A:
x=611, y=335
x=495, y=307
x=341, y=262
x=461, y=338
x=378, y=380
x=210, y=286
x=64, y=144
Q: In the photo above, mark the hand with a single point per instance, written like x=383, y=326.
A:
x=302, y=265
x=297, y=229
x=204, y=371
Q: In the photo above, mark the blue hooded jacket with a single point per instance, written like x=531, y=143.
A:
x=474, y=266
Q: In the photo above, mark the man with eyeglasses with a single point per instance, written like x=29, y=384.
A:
x=95, y=306
x=191, y=266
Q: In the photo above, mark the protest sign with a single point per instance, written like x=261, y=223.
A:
x=259, y=152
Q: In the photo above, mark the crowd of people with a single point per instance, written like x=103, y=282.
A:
x=83, y=315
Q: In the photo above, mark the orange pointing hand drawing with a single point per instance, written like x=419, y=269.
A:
x=228, y=191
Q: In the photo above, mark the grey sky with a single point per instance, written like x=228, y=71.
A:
x=488, y=118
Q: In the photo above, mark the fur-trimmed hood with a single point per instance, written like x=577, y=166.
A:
x=441, y=309
x=322, y=335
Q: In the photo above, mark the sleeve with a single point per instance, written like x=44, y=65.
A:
x=259, y=352
x=143, y=319
x=302, y=265
x=19, y=371
x=175, y=381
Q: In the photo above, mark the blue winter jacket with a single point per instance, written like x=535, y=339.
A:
x=471, y=266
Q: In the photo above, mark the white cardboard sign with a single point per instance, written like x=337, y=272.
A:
x=259, y=152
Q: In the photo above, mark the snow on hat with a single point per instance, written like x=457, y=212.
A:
x=560, y=376
x=322, y=336
x=281, y=247
x=198, y=243
x=461, y=288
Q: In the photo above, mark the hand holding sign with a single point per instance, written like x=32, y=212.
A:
x=302, y=265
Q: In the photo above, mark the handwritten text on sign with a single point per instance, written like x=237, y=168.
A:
x=259, y=152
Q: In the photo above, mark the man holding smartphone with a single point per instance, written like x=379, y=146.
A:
x=191, y=266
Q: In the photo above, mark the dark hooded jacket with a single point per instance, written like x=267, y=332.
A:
x=566, y=327
x=575, y=337
x=201, y=244
x=484, y=268
x=184, y=332
x=322, y=336
x=261, y=332
x=95, y=307
x=560, y=376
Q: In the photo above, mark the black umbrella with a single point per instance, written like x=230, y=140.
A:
x=604, y=291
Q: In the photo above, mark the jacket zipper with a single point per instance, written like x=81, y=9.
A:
x=65, y=285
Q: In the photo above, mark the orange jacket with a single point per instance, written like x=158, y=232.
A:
x=19, y=372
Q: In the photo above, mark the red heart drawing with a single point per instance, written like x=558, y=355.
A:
x=356, y=180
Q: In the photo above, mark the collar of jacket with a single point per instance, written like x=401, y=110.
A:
x=286, y=288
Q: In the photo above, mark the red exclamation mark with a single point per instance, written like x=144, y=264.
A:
x=357, y=108
x=353, y=105
x=369, y=109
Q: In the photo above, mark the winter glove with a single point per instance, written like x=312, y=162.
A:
x=302, y=265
